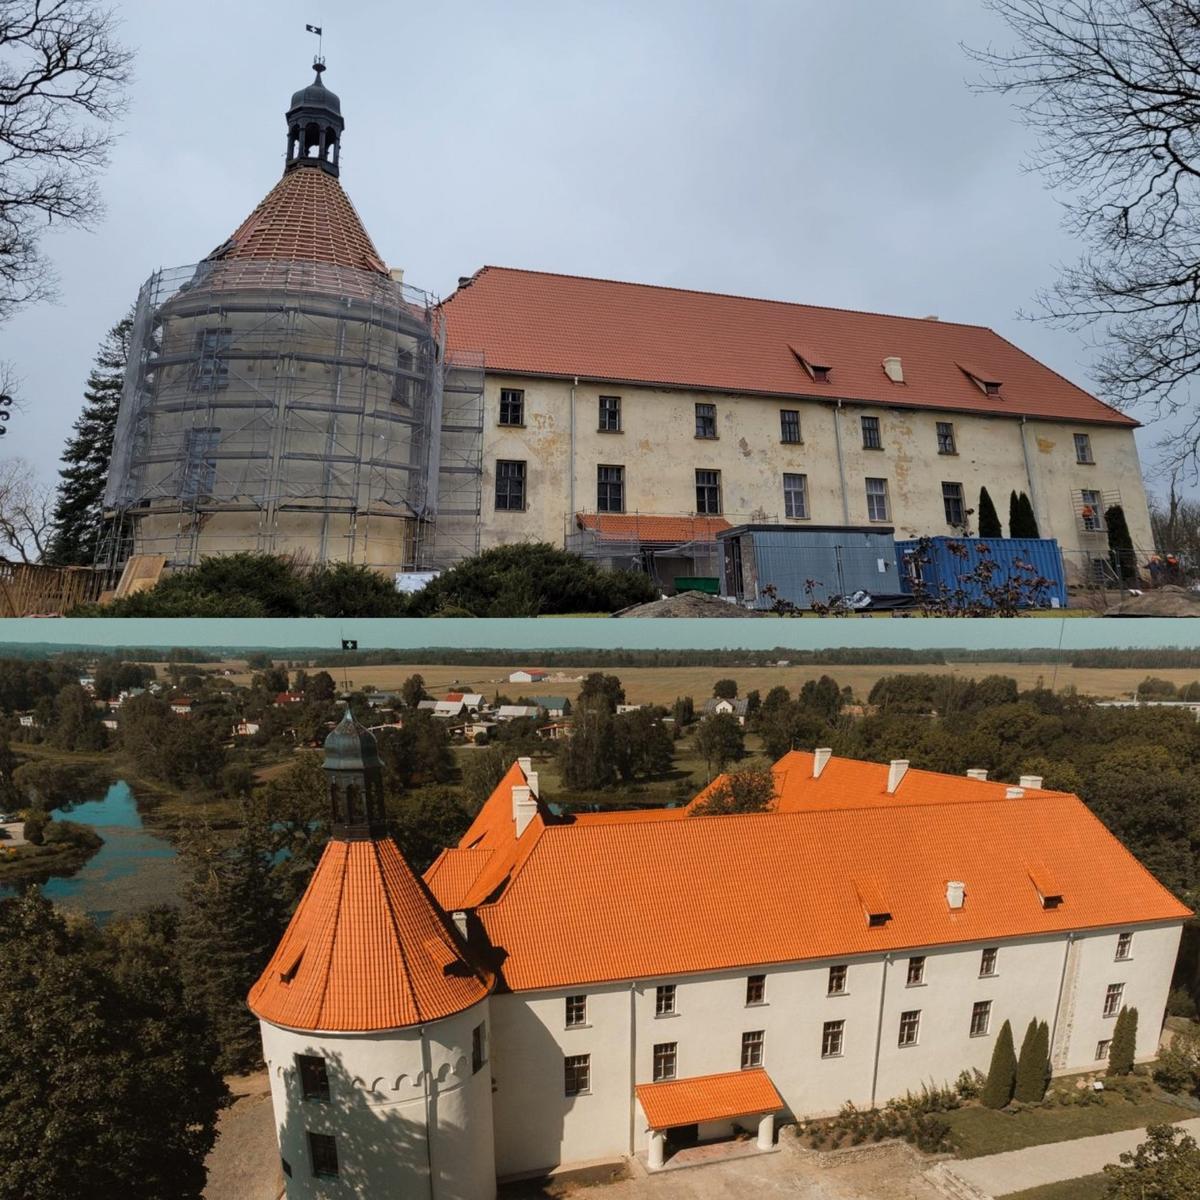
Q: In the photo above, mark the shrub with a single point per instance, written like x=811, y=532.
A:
x=1002, y=1074
x=1178, y=1067
x=1180, y=1003
x=35, y=827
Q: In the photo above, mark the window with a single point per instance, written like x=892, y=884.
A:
x=478, y=1047
x=610, y=489
x=952, y=502
x=981, y=1017
x=314, y=1079
x=945, y=438
x=820, y=374
x=708, y=492
x=752, y=1049
x=1092, y=510
x=212, y=367
x=706, y=420
x=1102, y=1049
x=576, y=1010
x=510, y=485
x=322, y=1151
x=200, y=464
x=789, y=426
x=916, y=970
x=1083, y=449
x=512, y=406
x=664, y=1000
x=795, y=496
x=610, y=414
x=664, y=1061
x=1112, y=999
x=756, y=989
x=577, y=1074
x=402, y=381
x=837, y=980
x=831, y=1039
x=870, y=431
x=987, y=961
x=910, y=1027
x=1124, y=945
x=877, y=500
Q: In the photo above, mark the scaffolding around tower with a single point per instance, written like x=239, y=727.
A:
x=295, y=408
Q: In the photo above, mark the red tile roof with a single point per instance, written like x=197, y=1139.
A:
x=646, y=527
x=641, y=898
x=534, y=323
x=708, y=1098
x=305, y=218
x=366, y=949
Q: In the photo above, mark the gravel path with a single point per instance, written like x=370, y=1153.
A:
x=244, y=1164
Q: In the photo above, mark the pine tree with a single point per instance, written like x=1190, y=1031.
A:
x=1124, y=1043
x=1014, y=515
x=1002, y=1074
x=78, y=508
x=1120, y=544
x=1029, y=525
x=989, y=521
x=1030, y=1067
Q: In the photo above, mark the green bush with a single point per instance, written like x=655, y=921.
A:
x=1180, y=1003
x=35, y=827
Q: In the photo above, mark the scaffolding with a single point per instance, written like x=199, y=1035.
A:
x=300, y=408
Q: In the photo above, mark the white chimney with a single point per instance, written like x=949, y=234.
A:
x=821, y=755
x=525, y=763
x=531, y=778
x=1033, y=782
x=397, y=274
x=460, y=923
x=893, y=368
x=1013, y=793
x=896, y=772
x=978, y=773
x=524, y=808
x=956, y=892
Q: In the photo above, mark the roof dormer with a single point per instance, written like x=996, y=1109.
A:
x=1046, y=886
x=814, y=364
x=985, y=381
x=875, y=907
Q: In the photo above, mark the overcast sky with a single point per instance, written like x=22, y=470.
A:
x=829, y=153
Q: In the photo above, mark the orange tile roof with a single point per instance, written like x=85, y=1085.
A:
x=641, y=898
x=305, y=218
x=451, y=875
x=366, y=949
x=708, y=1098
x=647, y=527
x=535, y=323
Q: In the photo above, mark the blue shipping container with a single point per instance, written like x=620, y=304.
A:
x=945, y=568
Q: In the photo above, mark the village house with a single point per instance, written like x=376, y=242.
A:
x=738, y=707
x=555, y=707
x=528, y=675
x=182, y=706
x=516, y=712
x=424, y=1038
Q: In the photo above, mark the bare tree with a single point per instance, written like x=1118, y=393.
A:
x=1113, y=89
x=62, y=81
x=26, y=512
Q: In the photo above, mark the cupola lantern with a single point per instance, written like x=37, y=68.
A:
x=314, y=126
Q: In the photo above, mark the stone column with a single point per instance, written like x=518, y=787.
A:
x=766, y=1131
x=658, y=1145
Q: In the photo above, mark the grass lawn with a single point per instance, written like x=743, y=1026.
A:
x=1088, y=1187
x=980, y=1130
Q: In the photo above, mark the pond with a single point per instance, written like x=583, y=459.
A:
x=133, y=868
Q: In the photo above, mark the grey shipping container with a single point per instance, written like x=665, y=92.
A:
x=808, y=562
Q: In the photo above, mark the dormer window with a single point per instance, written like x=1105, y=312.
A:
x=877, y=910
x=1046, y=886
x=985, y=381
x=820, y=374
x=817, y=370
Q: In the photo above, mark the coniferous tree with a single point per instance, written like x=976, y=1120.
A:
x=1002, y=1074
x=78, y=508
x=1014, y=515
x=1120, y=543
x=1031, y=1066
x=1044, y=1056
x=1029, y=523
x=989, y=521
x=1124, y=1043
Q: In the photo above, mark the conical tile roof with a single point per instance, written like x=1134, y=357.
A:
x=367, y=949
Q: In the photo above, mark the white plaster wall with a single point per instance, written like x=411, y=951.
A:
x=660, y=454
x=380, y=1093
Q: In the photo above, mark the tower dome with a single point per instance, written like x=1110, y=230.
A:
x=314, y=126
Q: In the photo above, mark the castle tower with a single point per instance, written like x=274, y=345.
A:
x=284, y=394
x=374, y=1017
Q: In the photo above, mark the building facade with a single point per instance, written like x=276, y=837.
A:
x=563, y=989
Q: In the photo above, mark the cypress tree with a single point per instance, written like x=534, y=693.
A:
x=1120, y=543
x=1124, y=1043
x=1014, y=515
x=1021, y=520
x=1030, y=1069
x=1044, y=1056
x=78, y=507
x=989, y=521
x=1002, y=1074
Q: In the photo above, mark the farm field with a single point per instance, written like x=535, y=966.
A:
x=660, y=685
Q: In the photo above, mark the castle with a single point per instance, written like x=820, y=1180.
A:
x=559, y=989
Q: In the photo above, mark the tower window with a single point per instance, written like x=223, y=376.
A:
x=322, y=1152
x=314, y=1078
x=510, y=485
x=512, y=406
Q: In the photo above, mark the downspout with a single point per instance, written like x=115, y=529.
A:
x=632, y=1065
x=427, y=1068
x=571, y=463
x=887, y=961
x=837, y=437
x=1033, y=492
x=1062, y=979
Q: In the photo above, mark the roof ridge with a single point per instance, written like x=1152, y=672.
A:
x=666, y=287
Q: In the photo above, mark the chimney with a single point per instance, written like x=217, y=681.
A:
x=460, y=923
x=821, y=755
x=397, y=274
x=1033, y=782
x=896, y=772
x=893, y=369
x=525, y=763
x=956, y=892
x=1013, y=793
x=465, y=280
x=524, y=808
x=978, y=773
x=531, y=778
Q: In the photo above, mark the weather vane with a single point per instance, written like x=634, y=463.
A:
x=317, y=30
